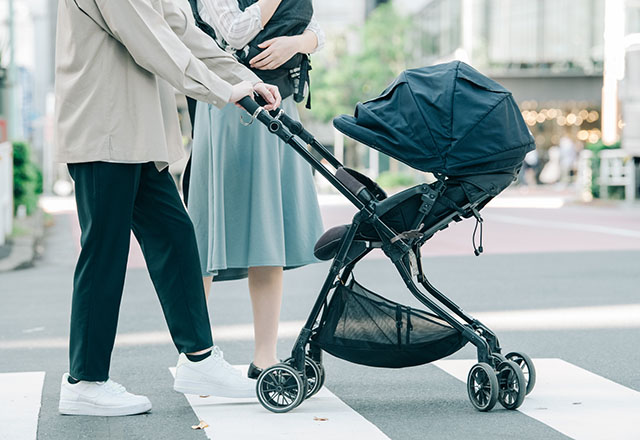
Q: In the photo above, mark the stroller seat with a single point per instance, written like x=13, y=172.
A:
x=406, y=211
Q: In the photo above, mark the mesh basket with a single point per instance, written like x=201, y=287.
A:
x=364, y=328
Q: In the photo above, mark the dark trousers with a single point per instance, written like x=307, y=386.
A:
x=112, y=200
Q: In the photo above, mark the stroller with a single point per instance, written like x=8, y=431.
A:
x=465, y=129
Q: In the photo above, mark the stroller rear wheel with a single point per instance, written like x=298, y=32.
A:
x=280, y=388
x=513, y=386
x=528, y=369
x=482, y=386
x=314, y=372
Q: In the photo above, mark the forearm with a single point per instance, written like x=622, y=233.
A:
x=155, y=47
x=202, y=46
x=307, y=42
x=267, y=9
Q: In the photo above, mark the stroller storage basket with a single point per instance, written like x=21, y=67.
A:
x=364, y=328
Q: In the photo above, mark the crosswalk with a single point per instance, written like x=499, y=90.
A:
x=571, y=400
x=324, y=416
x=20, y=395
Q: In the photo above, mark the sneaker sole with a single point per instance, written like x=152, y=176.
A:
x=89, y=409
x=206, y=389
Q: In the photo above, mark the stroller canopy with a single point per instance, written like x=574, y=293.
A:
x=447, y=119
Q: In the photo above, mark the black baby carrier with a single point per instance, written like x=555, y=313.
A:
x=292, y=78
x=291, y=18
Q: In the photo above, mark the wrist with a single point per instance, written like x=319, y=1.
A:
x=307, y=41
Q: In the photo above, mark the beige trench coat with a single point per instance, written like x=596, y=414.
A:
x=117, y=64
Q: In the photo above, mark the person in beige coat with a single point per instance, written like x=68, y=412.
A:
x=117, y=65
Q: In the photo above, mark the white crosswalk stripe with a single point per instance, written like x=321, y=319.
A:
x=574, y=401
x=324, y=416
x=20, y=396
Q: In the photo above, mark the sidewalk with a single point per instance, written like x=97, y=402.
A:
x=22, y=249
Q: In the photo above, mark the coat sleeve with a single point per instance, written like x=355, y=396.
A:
x=154, y=46
x=180, y=17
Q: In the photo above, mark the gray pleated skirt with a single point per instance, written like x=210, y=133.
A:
x=252, y=198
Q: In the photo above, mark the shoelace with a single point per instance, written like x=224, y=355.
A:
x=114, y=387
x=216, y=352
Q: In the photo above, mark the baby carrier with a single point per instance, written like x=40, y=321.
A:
x=290, y=18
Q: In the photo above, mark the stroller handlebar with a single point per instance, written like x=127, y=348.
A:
x=249, y=104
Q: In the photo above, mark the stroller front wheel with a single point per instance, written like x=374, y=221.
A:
x=528, y=369
x=482, y=386
x=513, y=386
x=280, y=388
x=314, y=373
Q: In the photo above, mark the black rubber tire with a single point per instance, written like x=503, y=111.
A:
x=527, y=366
x=513, y=386
x=497, y=359
x=314, y=374
x=280, y=388
x=482, y=387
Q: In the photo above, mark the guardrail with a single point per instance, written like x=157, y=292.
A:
x=617, y=169
x=6, y=190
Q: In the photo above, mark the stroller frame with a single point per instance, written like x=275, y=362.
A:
x=404, y=251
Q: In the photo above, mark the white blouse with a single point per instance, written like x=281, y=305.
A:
x=238, y=27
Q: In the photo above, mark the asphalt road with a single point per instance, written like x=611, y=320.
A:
x=560, y=257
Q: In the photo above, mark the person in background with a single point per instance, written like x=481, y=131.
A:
x=251, y=197
x=117, y=64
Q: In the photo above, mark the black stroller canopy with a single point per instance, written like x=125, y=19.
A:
x=447, y=119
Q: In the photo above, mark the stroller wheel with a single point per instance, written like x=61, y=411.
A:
x=482, y=386
x=497, y=359
x=322, y=377
x=280, y=388
x=512, y=383
x=314, y=374
x=528, y=369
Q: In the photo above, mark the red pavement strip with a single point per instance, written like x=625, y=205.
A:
x=506, y=231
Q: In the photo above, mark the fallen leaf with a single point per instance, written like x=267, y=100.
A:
x=200, y=425
x=320, y=419
x=204, y=397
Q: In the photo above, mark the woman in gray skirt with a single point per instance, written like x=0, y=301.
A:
x=251, y=197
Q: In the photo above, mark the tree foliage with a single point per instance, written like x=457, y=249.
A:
x=27, y=178
x=354, y=75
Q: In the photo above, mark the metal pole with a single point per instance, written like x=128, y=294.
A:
x=614, y=18
x=12, y=80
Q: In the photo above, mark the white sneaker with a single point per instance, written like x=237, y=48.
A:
x=212, y=376
x=99, y=399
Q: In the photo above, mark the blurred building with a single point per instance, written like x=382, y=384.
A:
x=34, y=23
x=548, y=53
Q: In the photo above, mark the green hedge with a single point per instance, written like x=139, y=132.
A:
x=27, y=179
x=390, y=179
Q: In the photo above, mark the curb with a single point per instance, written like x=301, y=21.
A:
x=24, y=249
